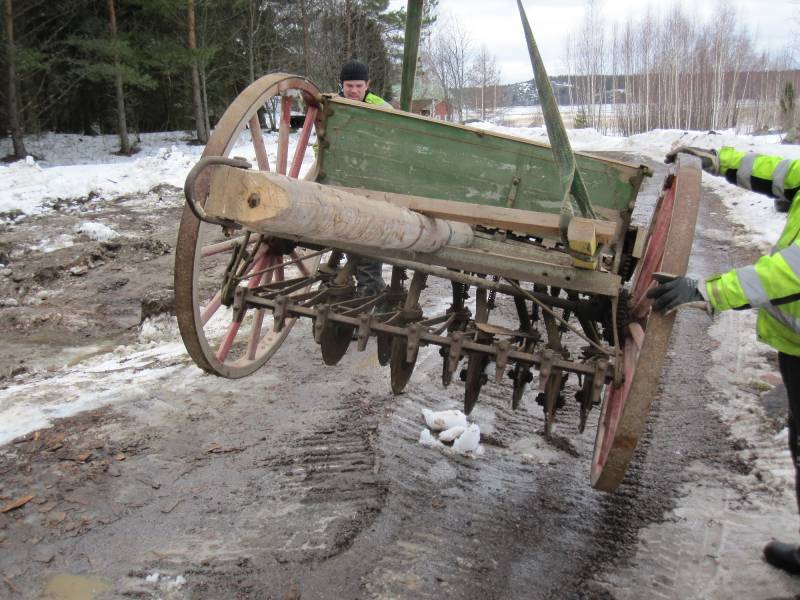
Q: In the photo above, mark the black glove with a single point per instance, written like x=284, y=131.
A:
x=709, y=158
x=671, y=293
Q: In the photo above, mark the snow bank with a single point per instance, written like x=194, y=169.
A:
x=30, y=185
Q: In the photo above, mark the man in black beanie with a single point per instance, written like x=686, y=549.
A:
x=354, y=79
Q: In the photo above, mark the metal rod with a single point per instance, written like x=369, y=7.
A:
x=535, y=358
x=571, y=179
x=478, y=282
x=283, y=264
x=547, y=309
x=410, y=50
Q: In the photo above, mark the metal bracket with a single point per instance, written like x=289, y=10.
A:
x=188, y=188
x=364, y=326
x=412, y=342
x=503, y=348
x=455, y=350
x=511, y=199
x=411, y=314
x=279, y=313
x=545, y=368
x=320, y=321
x=598, y=380
x=239, y=305
x=336, y=290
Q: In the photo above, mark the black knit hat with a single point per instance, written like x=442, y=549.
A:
x=354, y=70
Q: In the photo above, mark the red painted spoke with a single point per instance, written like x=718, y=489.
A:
x=216, y=301
x=225, y=347
x=642, y=307
x=220, y=247
x=258, y=143
x=303, y=269
x=258, y=319
x=283, y=133
x=212, y=307
x=227, y=342
x=302, y=142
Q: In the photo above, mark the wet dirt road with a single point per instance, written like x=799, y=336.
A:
x=307, y=481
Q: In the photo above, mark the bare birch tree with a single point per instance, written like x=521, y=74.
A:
x=447, y=56
x=485, y=75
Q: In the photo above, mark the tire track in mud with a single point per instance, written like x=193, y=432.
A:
x=459, y=525
x=330, y=476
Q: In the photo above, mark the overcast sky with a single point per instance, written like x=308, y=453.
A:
x=774, y=25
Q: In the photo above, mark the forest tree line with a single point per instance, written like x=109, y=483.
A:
x=83, y=65
x=100, y=66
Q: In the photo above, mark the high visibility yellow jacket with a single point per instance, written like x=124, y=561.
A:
x=371, y=98
x=772, y=284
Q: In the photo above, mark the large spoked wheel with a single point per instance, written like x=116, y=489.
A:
x=625, y=408
x=221, y=340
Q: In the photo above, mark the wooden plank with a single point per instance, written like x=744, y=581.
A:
x=497, y=258
x=512, y=219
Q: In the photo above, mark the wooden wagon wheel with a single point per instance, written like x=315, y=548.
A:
x=625, y=408
x=400, y=368
x=218, y=339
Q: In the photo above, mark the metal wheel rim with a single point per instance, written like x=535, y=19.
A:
x=187, y=300
x=624, y=410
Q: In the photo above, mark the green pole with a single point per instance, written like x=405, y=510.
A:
x=571, y=179
x=410, y=50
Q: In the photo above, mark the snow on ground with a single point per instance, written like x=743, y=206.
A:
x=104, y=377
x=72, y=166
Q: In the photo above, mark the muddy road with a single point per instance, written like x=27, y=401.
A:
x=307, y=481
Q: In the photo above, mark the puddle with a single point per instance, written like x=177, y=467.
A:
x=73, y=587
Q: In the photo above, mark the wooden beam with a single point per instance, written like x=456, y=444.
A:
x=273, y=204
x=512, y=219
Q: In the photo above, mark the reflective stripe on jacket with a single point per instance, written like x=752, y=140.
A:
x=783, y=173
x=772, y=284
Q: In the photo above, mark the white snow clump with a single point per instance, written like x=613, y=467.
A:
x=453, y=427
x=62, y=240
x=426, y=439
x=96, y=231
x=469, y=441
x=448, y=435
x=177, y=583
x=444, y=419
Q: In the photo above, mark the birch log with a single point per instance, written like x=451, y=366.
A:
x=274, y=204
